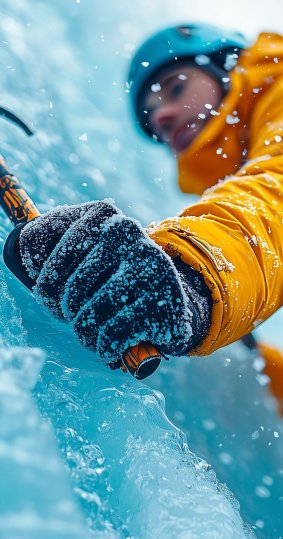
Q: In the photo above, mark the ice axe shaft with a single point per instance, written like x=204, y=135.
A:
x=14, y=200
x=140, y=360
x=12, y=117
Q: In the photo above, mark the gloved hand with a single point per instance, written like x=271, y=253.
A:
x=98, y=269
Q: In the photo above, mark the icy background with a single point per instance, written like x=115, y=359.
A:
x=105, y=460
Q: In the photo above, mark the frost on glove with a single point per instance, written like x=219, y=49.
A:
x=99, y=270
x=64, y=237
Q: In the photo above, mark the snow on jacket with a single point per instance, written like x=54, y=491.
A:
x=234, y=234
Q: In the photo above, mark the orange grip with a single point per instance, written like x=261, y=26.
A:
x=14, y=200
x=140, y=356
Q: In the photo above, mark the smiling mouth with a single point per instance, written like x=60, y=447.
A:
x=184, y=136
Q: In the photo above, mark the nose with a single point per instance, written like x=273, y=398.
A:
x=163, y=120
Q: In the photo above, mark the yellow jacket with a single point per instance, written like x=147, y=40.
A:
x=234, y=234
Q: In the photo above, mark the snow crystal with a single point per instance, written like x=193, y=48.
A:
x=267, y=480
x=262, y=379
x=262, y=492
x=209, y=424
x=202, y=59
x=259, y=524
x=83, y=137
x=155, y=87
x=230, y=61
x=258, y=364
x=231, y=119
x=226, y=458
x=128, y=86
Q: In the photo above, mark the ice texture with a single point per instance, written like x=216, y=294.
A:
x=64, y=65
x=130, y=466
x=12, y=332
x=224, y=405
x=36, y=499
x=130, y=469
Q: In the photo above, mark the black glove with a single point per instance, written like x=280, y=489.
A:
x=97, y=268
x=64, y=236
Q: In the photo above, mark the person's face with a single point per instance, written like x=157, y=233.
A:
x=179, y=102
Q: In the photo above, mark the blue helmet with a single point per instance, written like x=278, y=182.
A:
x=213, y=49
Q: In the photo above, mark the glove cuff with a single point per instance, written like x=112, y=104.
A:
x=200, y=301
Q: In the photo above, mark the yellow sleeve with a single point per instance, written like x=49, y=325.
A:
x=234, y=234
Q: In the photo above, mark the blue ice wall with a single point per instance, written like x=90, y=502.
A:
x=84, y=451
x=103, y=459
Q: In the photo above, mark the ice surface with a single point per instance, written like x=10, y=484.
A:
x=12, y=333
x=36, y=498
x=130, y=470
x=129, y=465
x=224, y=405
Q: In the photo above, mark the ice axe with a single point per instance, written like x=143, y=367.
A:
x=140, y=360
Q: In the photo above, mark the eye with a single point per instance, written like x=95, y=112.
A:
x=176, y=89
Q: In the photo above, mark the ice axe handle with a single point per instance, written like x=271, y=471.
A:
x=140, y=360
x=15, y=202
